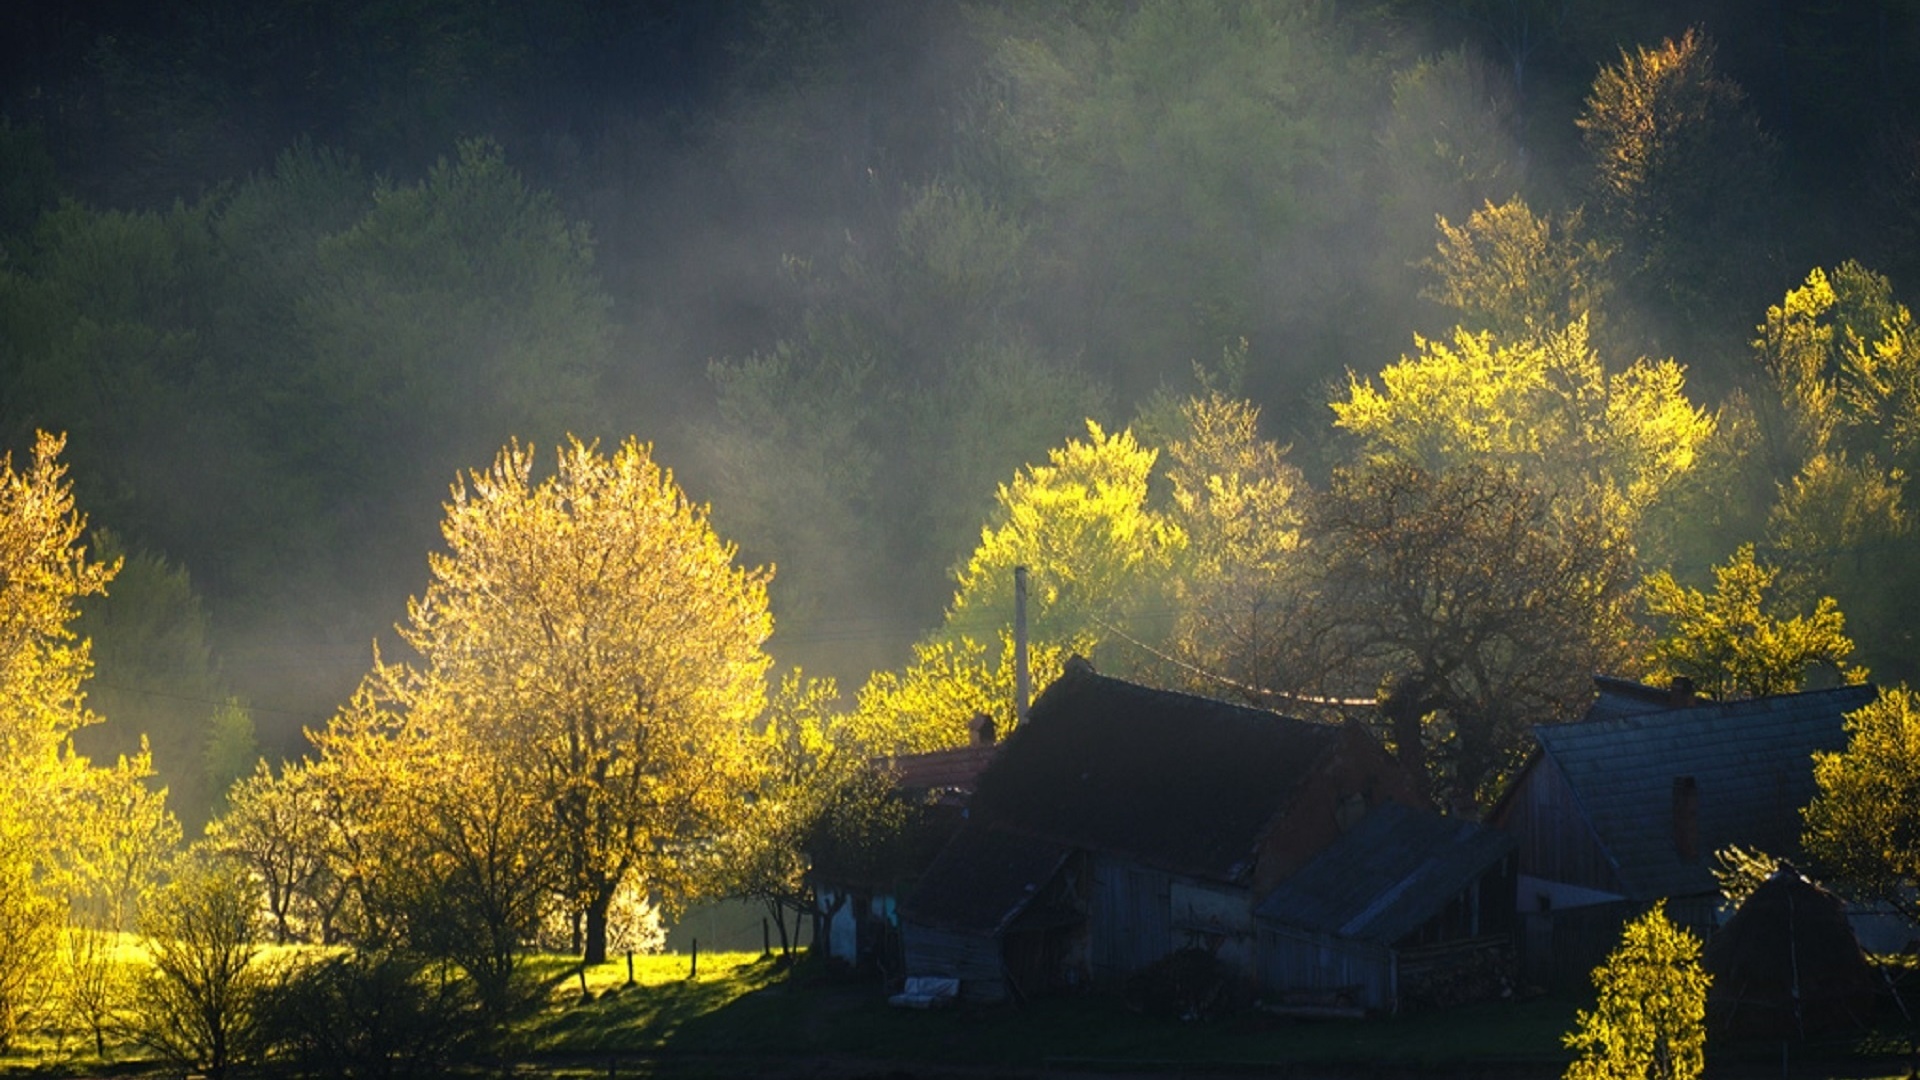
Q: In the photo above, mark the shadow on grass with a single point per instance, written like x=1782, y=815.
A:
x=744, y=1015
x=761, y=1009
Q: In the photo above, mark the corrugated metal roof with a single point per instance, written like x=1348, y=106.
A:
x=1751, y=766
x=1387, y=876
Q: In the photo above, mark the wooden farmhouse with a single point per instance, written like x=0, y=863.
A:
x=1628, y=806
x=1121, y=824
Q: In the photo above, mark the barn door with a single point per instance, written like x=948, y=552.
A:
x=1149, y=918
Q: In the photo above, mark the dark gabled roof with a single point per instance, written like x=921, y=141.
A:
x=1390, y=874
x=983, y=878
x=1751, y=763
x=1186, y=784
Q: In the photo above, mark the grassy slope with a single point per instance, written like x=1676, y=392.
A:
x=742, y=1015
x=740, y=1008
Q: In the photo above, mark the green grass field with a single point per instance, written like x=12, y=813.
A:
x=742, y=1015
x=740, y=1009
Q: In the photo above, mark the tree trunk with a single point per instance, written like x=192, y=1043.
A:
x=823, y=923
x=594, y=949
x=1406, y=706
x=778, y=912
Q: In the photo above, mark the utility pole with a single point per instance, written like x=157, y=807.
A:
x=1022, y=678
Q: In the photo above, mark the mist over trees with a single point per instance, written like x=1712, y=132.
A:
x=910, y=292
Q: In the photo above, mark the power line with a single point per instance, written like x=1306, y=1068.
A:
x=1304, y=699
x=195, y=699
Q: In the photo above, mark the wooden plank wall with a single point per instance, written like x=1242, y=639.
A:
x=1129, y=917
x=1297, y=964
x=1556, y=842
x=974, y=959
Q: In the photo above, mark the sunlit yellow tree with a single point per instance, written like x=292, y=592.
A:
x=1099, y=560
x=479, y=855
x=275, y=825
x=1242, y=506
x=928, y=704
x=1733, y=643
x=44, y=572
x=1861, y=826
x=1544, y=405
x=1517, y=274
x=817, y=797
x=1651, y=1020
x=1843, y=431
x=1097, y=553
x=594, y=632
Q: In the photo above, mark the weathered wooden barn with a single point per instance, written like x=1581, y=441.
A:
x=1121, y=823
x=1628, y=807
x=1407, y=908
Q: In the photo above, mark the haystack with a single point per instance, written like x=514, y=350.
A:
x=1787, y=966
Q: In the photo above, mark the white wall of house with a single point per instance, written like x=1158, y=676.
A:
x=1214, y=918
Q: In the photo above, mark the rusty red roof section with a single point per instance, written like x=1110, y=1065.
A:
x=956, y=770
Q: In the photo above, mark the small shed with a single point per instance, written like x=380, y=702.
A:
x=1407, y=908
x=1787, y=965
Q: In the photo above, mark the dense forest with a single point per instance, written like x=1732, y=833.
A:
x=1608, y=295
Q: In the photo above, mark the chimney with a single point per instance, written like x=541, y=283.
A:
x=983, y=729
x=1680, y=694
x=1686, y=818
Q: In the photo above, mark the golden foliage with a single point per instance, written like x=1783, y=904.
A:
x=595, y=631
x=1860, y=825
x=44, y=572
x=590, y=663
x=1546, y=406
x=72, y=837
x=1241, y=504
x=1650, y=1022
x=1732, y=644
x=949, y=682
x=1095, y=550
x=1514, y=273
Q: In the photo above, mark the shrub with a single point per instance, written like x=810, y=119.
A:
x=196, y=1004
x=366, y=1014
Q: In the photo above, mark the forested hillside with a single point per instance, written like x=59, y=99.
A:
x=1224, y=317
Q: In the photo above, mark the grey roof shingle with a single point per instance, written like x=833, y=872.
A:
x=1751, y=762
x=1387, y=876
